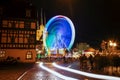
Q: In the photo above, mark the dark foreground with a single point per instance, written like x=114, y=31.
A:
x=14, y=71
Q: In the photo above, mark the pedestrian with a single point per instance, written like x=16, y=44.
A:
x=91, y=61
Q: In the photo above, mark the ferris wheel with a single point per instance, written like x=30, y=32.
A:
x=59, y=33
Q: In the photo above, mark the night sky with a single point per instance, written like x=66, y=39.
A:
x=94, y=20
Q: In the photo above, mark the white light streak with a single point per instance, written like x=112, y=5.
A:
x=87, y=74
x=56, y=73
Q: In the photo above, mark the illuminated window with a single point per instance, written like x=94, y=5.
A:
x=9, y=24
x=19, y=45
x=29, y=55
x=25, y=32
x=20, y=40
x=16, y=25
x=16, y=40
x=33, y=25
x=22, y=32
x=28, y=32
x=9, y=39
x=21, y=35
x=3, y=40
x=25, y=40
x=21, y=24
x=2, y=53
x=5, y=23
x=10, y=45
x=34, y=32
x=13, y=45
x=5, y=31
x=31, y=46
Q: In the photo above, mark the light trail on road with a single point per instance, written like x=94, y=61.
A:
x=56, y=73
x=98, y=76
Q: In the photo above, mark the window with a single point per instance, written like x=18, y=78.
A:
x=12, y=39
x=34, y=32
x=33, y=25
x=5, y=46
x=8, y=45
x=27, y=25
x=9, y=24
x=20, y=40
x=25, y=40
x=19, y=45
x=29, y=55
x=32, y=38
x=5, y=23
x=2, y=53
x=16, y=25
x=13, y=24
x=13, y=45
x=16, y=40
x=4, y=35
x=21, y=24
x=1, y=45
x=3, y=40
x=28, y=13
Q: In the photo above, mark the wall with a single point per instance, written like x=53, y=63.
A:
x=22, y=53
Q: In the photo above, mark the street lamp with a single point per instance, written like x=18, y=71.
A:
x=112, y=45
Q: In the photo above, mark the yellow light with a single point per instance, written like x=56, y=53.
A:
x=114, y=44
x=111, y=44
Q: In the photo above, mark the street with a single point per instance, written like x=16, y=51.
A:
x=47, y=71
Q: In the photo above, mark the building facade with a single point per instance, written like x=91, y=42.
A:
x=18, y=27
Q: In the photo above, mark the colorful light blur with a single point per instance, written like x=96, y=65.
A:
x=103, y=77
x=56, y=73
x=59, y=33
